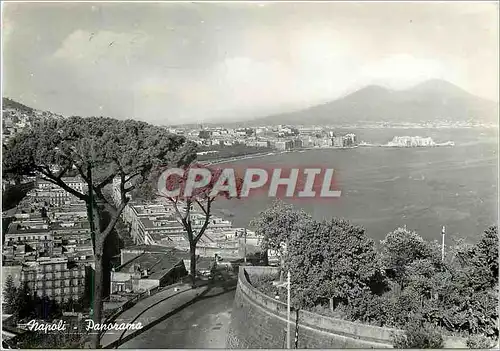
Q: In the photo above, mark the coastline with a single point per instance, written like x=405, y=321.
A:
x=449, y=143
x=273, y=153
x=237, y=158
x=277, y=152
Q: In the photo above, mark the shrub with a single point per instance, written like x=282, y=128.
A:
x=324, y=310
x=419, y=336
x=264, y=283
x=479, y=342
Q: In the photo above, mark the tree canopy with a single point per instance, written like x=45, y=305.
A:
x=404, y=281
x=276, y=225
x=99, y=150
x=331, y=259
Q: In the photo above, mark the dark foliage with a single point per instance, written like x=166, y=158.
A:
x=10, y=294
x=419, y=336
x=405, y=280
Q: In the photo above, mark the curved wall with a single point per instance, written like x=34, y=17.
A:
x=259, y=321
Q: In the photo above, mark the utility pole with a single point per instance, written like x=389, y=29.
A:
x=288, y=339
x=91, y=208
x=296, y=341
x=245, y=247
x=92, y=236
x=443, y=231
x=288, y=308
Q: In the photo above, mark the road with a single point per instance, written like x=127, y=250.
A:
x=203, y=324
x=152, y=310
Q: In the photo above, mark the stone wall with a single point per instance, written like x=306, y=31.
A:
x=259, y=321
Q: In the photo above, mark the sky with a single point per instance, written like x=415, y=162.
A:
x=173, y=63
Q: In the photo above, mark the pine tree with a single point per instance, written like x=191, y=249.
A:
x=10, y=293
x=24, y=303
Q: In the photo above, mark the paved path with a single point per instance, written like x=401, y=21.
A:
x=201, y=325
x=179, y=319
x=152, y=310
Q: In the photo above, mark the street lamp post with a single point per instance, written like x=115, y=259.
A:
x=245, y=247
x=288, y=338
x=443, y=231
x=288, y=308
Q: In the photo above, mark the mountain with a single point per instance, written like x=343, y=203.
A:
x=14, y=105
x=431, y=101
x=16, y=111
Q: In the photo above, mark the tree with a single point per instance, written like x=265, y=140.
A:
x=470, y=299
x=25, y=307
x=100, y=149
x=487, y=253
x=10, y=293
x=201, y=197
x=460, y=295
x=399, y=249
x=204, y=134
x=480, y=342
x=328, y=259
x=332, y=260
x=276, y=225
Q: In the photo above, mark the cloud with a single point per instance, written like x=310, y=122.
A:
x=402, y=70
x=7, y=30
x=161, y=62
x=85, y=46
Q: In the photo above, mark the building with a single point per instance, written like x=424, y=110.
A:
x=307, y=141
x=337, y=141
x=27, y=239
x=407, y=141
x=50, y=241
x=283, y=145
x=297, y=143
x=258, y=143
x=145, y=267
x=158, y=224
x=56, y=278
x=351, y=139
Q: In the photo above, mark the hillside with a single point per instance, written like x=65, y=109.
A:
x=18, y=111
x=431, y=101
x=11, y=104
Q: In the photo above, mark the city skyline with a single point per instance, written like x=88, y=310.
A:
x=237, y=61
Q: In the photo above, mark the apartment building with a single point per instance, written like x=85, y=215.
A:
x=73, y=182
x=49, y=242
x=283, y=145
x=57, y=278
x=27, y=238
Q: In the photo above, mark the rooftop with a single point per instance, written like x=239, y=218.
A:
x=64, y=179
x=70, y=225
x=155, y=263
x=18, y=228
x=150, y=248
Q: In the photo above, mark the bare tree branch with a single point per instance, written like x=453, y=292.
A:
x=206, y=222
x=63, y=172
x=106, y=180
x=130, y=188
x=49, y=176
x=133, y=176
x=181, y=217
